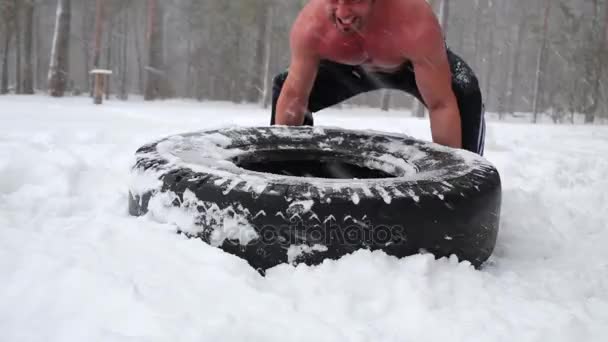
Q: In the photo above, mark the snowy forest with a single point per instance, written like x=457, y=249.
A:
x=531, y=56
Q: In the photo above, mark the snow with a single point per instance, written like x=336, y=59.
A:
x=301, y=206
x=101, y=71
x=228, y=223
x=75, y=266
x=294, y=251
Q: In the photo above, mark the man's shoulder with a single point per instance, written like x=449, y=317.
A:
x=419, y=17
x=306, y=31
x=413, y=7
x=421, y=26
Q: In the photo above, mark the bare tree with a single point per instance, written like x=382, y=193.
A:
x=97, y=41
x=541, y=61
x=110, y=40
x=59, y=66
x=139, y=54
x=190, y=69
x=40, y=52
x=256, y=82
x=601, y=53
x=491, y=50
x=513, y=90
x=385, y=100
x=86, y=43
x=124, y=37
x=445, y=14
x=267, y=95
x=17, y=26
x=479, y=12
x=97, y=38
x=156, y=86
x=28, y=70
x=7, y=15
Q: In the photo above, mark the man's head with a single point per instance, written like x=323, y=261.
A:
x=349, y=15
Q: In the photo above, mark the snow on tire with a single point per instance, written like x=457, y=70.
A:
x=281, y=194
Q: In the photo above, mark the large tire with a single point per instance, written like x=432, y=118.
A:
x=232, y=188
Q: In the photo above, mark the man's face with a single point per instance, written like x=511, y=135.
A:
x=349, y=15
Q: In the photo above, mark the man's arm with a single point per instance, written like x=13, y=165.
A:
x=293, y=100
x=434, y=80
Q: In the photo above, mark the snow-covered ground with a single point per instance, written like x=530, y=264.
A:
x=74, y=266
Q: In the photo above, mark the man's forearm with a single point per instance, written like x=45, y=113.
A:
x=446, y=126
x=290, y=111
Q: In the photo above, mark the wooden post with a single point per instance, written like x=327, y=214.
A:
x=100, y=76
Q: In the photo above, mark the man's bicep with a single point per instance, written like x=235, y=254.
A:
x=428, y=54
x=434, y=81
x=433, y=77
x=302, y=68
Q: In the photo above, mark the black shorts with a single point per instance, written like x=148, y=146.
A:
x=338, y=82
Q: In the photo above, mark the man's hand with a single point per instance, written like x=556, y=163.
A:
x=434, y=80
x=293, y=101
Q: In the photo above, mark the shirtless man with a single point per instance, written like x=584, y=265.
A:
x=341, y=48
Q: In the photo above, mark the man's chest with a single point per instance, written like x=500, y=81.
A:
x=380, y=51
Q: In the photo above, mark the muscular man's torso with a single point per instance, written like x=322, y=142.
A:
x=383, y=45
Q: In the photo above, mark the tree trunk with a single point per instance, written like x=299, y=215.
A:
x=7, y=50
x=256, y=81
x=99, y=22
x=541, y=62
x=461, y=30
x=597, y=82
x=59, y=66
x=385, y=102
x=477, y=35
x=124, y=71
x=97, y=39
x=235, y=94
x=189, y=63
x=602, y=78
x=41, y=63
x=87, y=31
x=490, y=48
x=152, y=40
x=109, y=42
x=505, y=86
x=28, y=71
x=501, y=57
x=17, y=23
x=513, y=83
x=267, y=94
x=155, y=72
x=445, y=15
x=199, y=83
x=419, y=109
x=138, y=56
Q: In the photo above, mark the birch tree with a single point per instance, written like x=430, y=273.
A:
x=59, y=66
